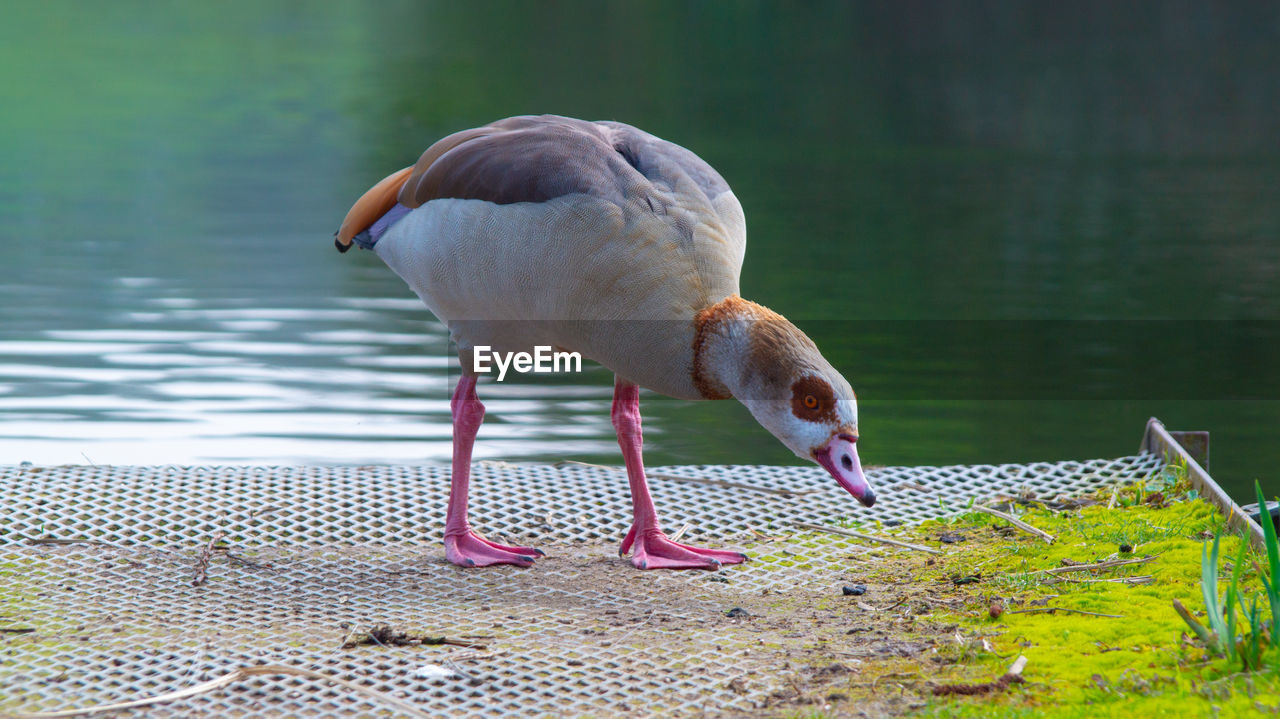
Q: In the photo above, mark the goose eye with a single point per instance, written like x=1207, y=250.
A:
x=812, y=400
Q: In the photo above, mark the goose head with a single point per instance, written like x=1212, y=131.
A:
x=748, y=352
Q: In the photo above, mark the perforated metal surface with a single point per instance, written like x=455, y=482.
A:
x=317, y=552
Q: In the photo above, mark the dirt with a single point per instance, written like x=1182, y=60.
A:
x=801, y=645
x=773, y=636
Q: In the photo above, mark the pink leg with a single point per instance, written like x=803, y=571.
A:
x=462, y=545
x=652, y=548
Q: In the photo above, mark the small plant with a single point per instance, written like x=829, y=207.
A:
x=1272, y=585
x=1250, y=640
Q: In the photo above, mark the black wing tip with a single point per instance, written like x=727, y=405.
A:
x=338, y=244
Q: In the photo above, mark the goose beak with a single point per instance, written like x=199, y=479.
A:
x=840, y=458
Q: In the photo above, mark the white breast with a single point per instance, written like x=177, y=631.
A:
x=618, y=283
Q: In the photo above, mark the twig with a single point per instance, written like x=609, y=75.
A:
x=246, y=562
x=867, y=537
x=383, y=635
x=53, y=540
x=1109, y=564
x=680, y=532
x=225, y=680
x=1038, y=610
x=202, y=564
x=870, y=608
x=1144, y=579
x=1012, y=676
x=896, y=604
x=1209, y=638
x=1048, y=538
x=471, y=656
x=890, y=675
x=632, y=629
x=788, y=493
x=472, y=679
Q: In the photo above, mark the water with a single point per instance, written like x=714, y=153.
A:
x=170, y=179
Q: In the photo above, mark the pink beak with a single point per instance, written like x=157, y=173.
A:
x=840, y=458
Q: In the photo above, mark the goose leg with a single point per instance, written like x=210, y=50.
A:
x=652, y=548
x=462, y=545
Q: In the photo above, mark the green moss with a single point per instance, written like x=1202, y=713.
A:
x=1084, y=665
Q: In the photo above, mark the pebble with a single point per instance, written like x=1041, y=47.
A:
x=855, y=590
x=1126, y=549
x=737, y=612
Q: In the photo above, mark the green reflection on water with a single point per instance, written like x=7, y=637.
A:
x=933, y=161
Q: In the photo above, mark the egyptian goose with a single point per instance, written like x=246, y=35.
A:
x=599, y=238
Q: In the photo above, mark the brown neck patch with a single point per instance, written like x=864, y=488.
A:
x=761, y=356
x=704, y=324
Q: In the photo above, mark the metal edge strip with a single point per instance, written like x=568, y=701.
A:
x=1157, y=440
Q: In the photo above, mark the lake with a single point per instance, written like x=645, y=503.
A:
x=1018, y=229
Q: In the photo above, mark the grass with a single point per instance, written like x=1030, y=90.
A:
x=1251, y=641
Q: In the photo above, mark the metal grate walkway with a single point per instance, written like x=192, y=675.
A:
x=315, y=553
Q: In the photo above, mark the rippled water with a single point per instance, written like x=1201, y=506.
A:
x=349, y=379
x=170, y=179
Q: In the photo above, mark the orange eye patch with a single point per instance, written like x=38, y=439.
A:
x=813, y=400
